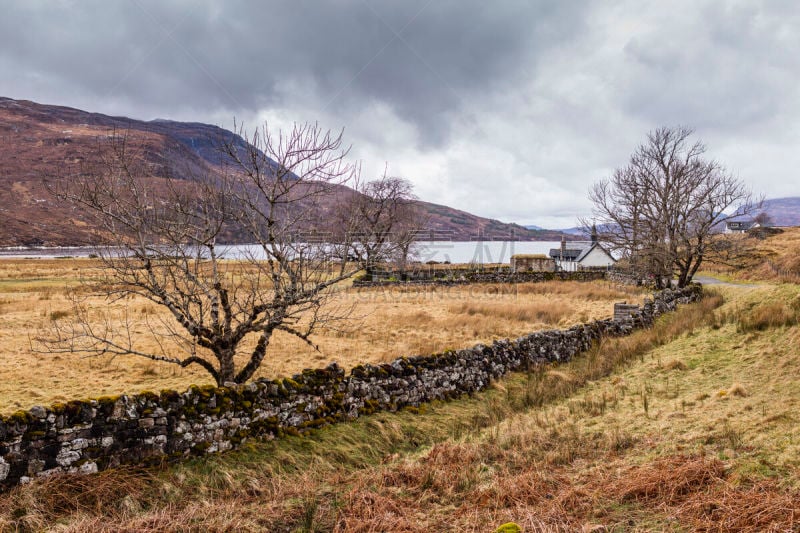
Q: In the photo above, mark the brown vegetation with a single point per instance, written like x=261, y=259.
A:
x=672, y=428
x=386, y=323
x=469, y=466
x=43, y=141
x=776, y=257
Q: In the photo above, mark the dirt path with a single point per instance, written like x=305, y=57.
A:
x=708, y=280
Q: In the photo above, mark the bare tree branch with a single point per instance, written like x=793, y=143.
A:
x=662, y=211
x=162, y=239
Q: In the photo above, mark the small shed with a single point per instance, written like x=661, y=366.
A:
x=532, y=262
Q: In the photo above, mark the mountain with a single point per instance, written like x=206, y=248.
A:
x=38, y=141
x=576, y=231
x=783, y=211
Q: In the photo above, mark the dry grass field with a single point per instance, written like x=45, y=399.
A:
x=776, y=258
x=385, y=324
x=689, y=426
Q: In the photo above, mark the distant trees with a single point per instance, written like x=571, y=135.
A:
x=163, y=240
x=662, y=209
x=383, y=220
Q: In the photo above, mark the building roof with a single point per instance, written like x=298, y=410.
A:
x=570, y=254
x=576, y=252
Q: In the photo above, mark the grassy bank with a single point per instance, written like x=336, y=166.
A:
x=690, y=425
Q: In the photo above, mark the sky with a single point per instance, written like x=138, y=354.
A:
x=506, y=109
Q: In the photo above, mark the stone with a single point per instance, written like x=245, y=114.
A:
x=35, y=466
x=79, y=444
x=67, y=457
x=88, y=468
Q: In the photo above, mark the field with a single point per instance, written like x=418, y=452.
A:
x=385, y=324
x=689, y=426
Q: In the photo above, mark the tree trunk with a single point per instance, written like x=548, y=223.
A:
x=226, y=366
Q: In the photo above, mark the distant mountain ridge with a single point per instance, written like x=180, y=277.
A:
x=38, y=140
x=783, y=211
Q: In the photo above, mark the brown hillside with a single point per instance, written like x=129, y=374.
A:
x=39, y=142
x=773, y=255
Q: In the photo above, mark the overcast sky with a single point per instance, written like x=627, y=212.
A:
x=507, y=109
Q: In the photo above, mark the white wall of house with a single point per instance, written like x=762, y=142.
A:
x=597, y=258
x=566, y=266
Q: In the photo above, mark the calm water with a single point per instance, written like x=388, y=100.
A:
x=453, y=251
x=480, y=251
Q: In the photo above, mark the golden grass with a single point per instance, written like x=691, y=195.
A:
x=386, y=323
x=774, y=258
x=616, y=440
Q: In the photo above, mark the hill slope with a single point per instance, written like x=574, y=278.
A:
x=41, y=140
x=783, y=211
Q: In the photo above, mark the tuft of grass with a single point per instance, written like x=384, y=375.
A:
x=668, y=480
x=57, y=315
x=737, y=389
x=676, y=364
x=768, y=315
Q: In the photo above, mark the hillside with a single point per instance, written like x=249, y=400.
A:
x=774, y=257
x=41, y=141
x=783, y=211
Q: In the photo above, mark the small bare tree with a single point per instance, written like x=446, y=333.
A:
x=383, y=221
x=163, y=240
x=662, y=211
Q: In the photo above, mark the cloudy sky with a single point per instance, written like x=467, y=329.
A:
x=507, y=109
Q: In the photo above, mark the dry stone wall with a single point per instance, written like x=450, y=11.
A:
x=499, y=275
x=91, y=435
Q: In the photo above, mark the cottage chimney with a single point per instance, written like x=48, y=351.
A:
x=594, y=234
x=563, y=245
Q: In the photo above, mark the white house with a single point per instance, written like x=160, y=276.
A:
x=581, y=255
x=740, y=226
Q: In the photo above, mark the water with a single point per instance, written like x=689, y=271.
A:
x=478, y=252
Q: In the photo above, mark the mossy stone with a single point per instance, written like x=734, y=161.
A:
x=509, y=527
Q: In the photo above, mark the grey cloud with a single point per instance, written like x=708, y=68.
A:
x=553, y=95
x=426, y=59
x=728, y=66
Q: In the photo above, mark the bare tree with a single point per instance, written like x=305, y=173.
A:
x=764, y=220
x=383, y=222
x=662, y=210
x=163, y=240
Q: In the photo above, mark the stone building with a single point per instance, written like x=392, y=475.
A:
x=534, y=262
